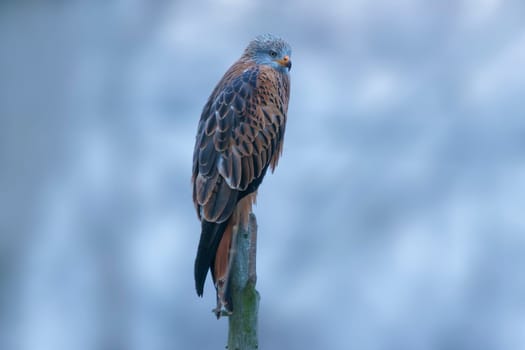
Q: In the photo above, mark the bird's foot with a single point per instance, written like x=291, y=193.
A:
x=221, y=311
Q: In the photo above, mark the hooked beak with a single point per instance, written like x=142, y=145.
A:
x=285, y=62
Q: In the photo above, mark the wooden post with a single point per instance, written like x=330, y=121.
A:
x=242, y=333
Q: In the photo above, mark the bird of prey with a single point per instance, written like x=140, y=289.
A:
x=240, y=134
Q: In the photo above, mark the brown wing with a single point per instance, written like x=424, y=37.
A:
x=240, y=134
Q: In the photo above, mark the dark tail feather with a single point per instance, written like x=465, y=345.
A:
x=209, y=242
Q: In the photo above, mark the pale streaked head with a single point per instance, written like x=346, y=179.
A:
x=268, y=49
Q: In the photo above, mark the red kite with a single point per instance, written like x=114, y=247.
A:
x=240, y=135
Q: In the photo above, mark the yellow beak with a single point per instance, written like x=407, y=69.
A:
x=285, y=62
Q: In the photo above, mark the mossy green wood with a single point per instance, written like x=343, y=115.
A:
x=242, y=334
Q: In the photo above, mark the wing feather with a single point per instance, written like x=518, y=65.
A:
x=240, y=134
x=205, y=187
x=221, y=204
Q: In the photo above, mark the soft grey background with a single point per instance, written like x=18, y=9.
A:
x=394, y=220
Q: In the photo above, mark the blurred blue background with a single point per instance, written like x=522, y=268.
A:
x=394, y=220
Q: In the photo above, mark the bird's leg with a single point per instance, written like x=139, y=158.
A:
x=220, y=310
x=231, y=258
x=224, y=307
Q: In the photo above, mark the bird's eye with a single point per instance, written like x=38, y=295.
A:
x=273, y=53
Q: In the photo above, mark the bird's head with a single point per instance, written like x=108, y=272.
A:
x=270, y=50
